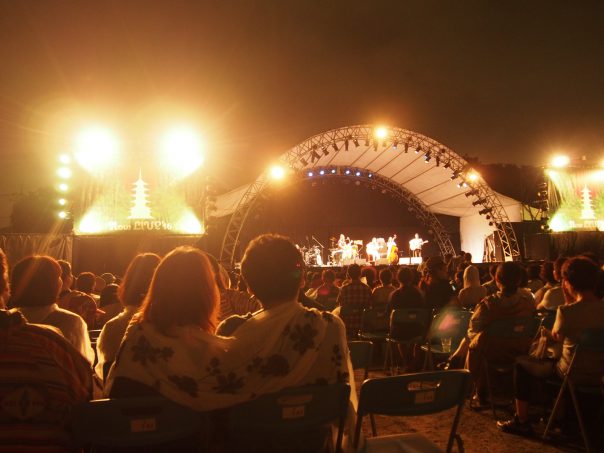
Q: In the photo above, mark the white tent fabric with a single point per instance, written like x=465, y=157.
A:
x=429, y=182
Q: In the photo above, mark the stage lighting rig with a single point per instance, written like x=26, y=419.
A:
x=485, y=211
x=356, y=142
x=428, y=156
x=406, y=147
x=304, y=162
x=325, y=151
x=455, y=175
x=479, y=201
x=472, y=192
x=314, y=156
x=395, y=144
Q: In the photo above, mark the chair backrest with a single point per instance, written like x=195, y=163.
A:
x=548, y=318
x=510, y=328
x=94, y=335
x=132, y=422
x=413, y=394
x=283, y=415
x=360, y=355
x=375, y=320
x=409, y=323
x=592, y=340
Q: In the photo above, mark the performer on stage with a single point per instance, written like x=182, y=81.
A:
x=416, y=244
x=373, y=252
x=392, y=253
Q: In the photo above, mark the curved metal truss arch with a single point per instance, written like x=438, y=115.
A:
x=306, y=154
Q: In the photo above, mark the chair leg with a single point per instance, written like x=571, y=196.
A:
x=489, y=388
x=373, y=425
x=554, y=410
x=573, y=395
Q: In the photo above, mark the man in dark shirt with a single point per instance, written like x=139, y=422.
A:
x=436, y=286
x=407, y=296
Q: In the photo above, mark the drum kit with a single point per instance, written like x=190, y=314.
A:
x=313, y=255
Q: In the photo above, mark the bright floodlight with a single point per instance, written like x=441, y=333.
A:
x=64, y=159
x=381, y=132
x=62, y=201
x=63, y=187
x=560, y=161
x=62, y=215
x=473, y=176
x=96, y=149
x=277, y=172
x=64, y=172
x=181, y=151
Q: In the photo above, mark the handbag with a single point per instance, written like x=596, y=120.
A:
x=544, y=347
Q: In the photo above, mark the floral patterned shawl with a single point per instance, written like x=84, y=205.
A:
x=285, y=346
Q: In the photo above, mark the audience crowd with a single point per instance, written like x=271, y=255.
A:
x=184, y=328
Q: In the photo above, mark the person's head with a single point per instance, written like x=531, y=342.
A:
x=328, y=276
x=66, y=275
x=99, y=284
x=508, y=278
x=35, y=281
x=405, y=276
x=109, y=295
x=220, y=273
x=138, y=276
x=85, y=282
x=580, y=275
x=4, y=286
x=385, y=277
x=467, y=257
x=471, y=276
x=436, y=267
x=558, y=268
x=448, y=257
x=369, y=273
x=108, y=278
x=354, y=272
x=182, y=292
x=273, y=269
x=532, y=271
x=547, y=272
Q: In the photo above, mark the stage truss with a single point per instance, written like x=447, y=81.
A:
x=307, y=155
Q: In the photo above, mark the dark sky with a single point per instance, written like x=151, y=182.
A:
x=505, y=81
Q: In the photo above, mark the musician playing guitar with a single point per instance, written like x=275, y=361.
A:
x=392, y=254
x=416, y=244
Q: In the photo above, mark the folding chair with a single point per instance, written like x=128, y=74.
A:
x=360, y=355
x=506, y=329
x=374, y=324
x=149, y=423
x=351, y=316
x=289, y=419
x=408, y=326
x=591, y=341
x=451, y=324
x=410, y=395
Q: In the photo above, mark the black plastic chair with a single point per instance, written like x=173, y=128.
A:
x=352, y=318
x=451, y=324
x=408, y=326
x=149, y=423
x=360, y=355
x=289, y=419
x=591, y=341
x=374, y=324
x=410, y=395
x=507, y=329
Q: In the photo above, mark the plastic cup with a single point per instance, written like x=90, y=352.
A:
x=446, y=344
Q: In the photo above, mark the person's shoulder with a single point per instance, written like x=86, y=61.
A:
x=228, y=326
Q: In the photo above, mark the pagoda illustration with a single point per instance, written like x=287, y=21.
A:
x=140, y=202
x=587, y=210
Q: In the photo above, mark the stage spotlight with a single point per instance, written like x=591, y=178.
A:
x=485, y=211
x=333, y=171
x=356, y=142
x=406, y=147
x=96, y=149
x=277, y=172
x=322, y=172
x=462, y=184
x=64, y=159
x=64, y=172
x=346, y=145
x=334, y=146
x=437, y=159
x=375, y=145
x=455, y=175
x=181, y=151
x=304, y=162
x=395, y=144
x=381, y=133
x=417, y=150
x=469, y=193
x=473, y=176
x=62, y=201
x=310, y=174
x=560, y=161
x=447, y=164
x=63, y=187
x=479, y=201
x=314, y=156
x=325, y=151
x=62, y=214
x=358, y=173
x=427, y=157
x=347, y=171
x=370, y=175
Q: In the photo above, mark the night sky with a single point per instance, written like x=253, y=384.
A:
x=502, y=81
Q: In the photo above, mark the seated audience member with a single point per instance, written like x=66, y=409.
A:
x=353, y=295
x=171, y=347
x=381, y=293
x=508, y=303
x=84, y=305
x=130, y=294
x=42, y=376
x=554, y=297
x=369, y=273
x=407, y=295
x=108, y=278
x=109, y=303
x=437, y=289
x=583, y=310
x=327, y=293
x=547, y=276
x=67, y=282
x=35, y=283
x=491, y=285
x=534, y=282
x=472, y=291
